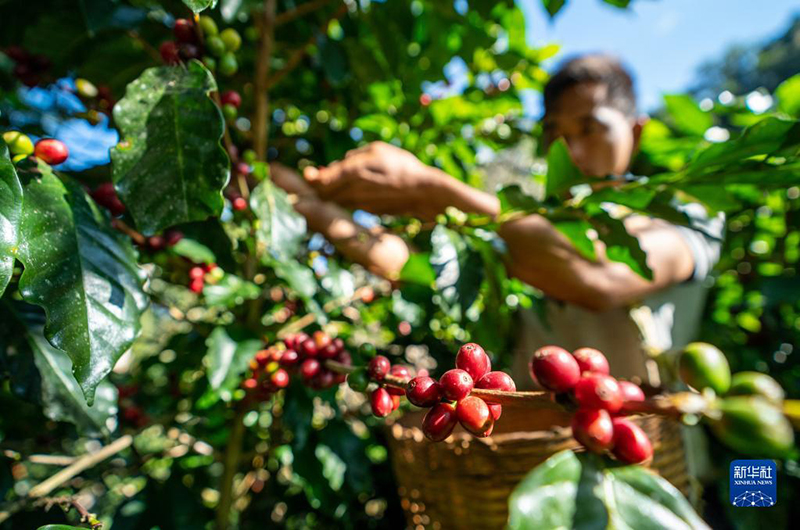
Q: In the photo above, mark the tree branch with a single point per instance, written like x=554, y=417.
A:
x=299, y=11
x=233, y=453
x=266, y=30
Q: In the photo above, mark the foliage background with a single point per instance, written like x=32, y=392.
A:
x=360, y=77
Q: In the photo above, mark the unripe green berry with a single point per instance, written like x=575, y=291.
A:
x=228, y=65
x=18, y=143
x=210, y=63
x=231, y=38
x=208, y=26
x=251, y=34
x=249, y=156
x=229, y=111
x=215, y=46
x=358, y=380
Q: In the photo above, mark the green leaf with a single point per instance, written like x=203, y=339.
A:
x=513, y=198
x=762, y=138
x=620, y=245
x=169, y=167
x=418, y=269
x=585, y=491
x=82, y=273
x=553, y=6
x=459, y=270
x=194, y=251
x=199, y=5
x=788, y=94
x=228, y=357
x=576, y=232
x=299, y=277
x=61, y=396
x=10, y=213
x=231, y=291
x=60, y=527
x=562, y=173
x=279, y=229
x=687, y=116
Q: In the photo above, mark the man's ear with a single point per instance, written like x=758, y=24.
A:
x=638, y=126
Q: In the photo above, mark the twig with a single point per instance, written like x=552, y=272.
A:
x=123, y=227
x=266, y=31
x=309, y=318
x=82, y=464
x=233, y=453
x=71, y=500
x=674, y=405
x=299, y=11
x=152, y=52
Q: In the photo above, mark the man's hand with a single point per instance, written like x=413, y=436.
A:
x=379, y=178
x=384, y=179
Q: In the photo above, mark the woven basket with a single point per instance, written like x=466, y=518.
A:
x=464, y=482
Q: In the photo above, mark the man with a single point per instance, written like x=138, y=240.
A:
x=590, y=103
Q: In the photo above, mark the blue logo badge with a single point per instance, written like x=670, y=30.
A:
x=753, y=483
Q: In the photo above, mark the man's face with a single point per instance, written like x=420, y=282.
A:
x=601, y=139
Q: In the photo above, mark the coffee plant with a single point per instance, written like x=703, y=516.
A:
x=174, y=336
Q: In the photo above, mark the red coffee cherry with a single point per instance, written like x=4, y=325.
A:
x=250, y=384
x=196, y=285
x=170, y=53
x=631, y=444
x=231, y=97
x=473, y=359
x=289, y=358
x=106, y=196
x=424, y=391
x=630, y=391
x=378, y=367
x=395, y=402
x=496, y=381
x=591, y=360
x=382, y=403
x=173, y=237
x=598, y=391
x=280, y=378
x=324, y=379
x=328, y=352
x=456, y=384
x=554, y=368
x=156, y=243
x=196, y=272
x=239, y=204
x=439, y=422
x=308, y=348
x=344, y=358
x=321, y=339
x=309, y=368
x=474, y=415
x=593, y=429
x=184, y=30
x=52, y=151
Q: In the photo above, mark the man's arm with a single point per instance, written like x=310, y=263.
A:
x=382, y=178
x=543, y=257
x=379, y=252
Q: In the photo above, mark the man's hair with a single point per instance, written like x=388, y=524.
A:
x=595, y=68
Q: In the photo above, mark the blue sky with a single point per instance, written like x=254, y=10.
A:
x=662, y=41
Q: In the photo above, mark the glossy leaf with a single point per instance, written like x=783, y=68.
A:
x=585, y=491
x=687, y=115
x=199, y=5
x=169, y=167
x=514, y=198
x=788, y=95
x=620, y=245
x=82, y=273
x=576, y=232
x=10, y=213
x=60, y=395
x=194, y=251
x=280, y=228
x=418, y=269
x=227, y=358
x=562, y=173
x=553, y=6
x=459, y=271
